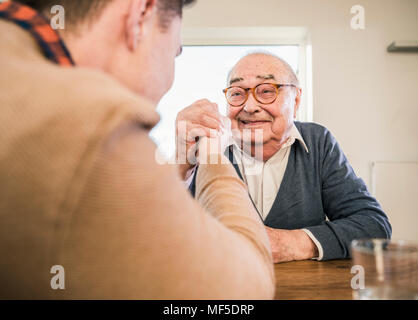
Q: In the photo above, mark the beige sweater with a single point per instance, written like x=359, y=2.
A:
x=80, y=187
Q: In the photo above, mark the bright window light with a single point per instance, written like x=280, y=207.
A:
x=201, y=73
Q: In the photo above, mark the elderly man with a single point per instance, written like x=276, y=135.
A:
x=86, y=212
x=311, y=201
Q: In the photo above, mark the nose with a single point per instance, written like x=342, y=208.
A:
x=251, y=106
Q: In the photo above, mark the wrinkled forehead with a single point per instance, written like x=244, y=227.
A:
x=256, y=69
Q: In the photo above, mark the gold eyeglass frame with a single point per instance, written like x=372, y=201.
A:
x=276, y=85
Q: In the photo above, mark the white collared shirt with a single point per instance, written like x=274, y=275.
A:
x=264, y=178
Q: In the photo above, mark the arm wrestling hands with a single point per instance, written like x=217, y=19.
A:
x=196, y=122
x=202, y=122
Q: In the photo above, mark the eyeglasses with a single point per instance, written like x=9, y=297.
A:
x=264, y=93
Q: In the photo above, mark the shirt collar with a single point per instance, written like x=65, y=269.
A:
x=39, y=27
x=295, y=135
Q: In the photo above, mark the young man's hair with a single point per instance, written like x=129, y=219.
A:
x=79, y=11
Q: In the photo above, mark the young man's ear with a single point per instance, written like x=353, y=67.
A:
x=139, y=19
x=297, y=101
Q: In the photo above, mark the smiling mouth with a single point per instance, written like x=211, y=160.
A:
x=254, y=122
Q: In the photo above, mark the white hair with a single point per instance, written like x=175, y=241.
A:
x=289, y=70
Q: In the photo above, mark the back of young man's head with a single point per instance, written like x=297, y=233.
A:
x=79, y=11
x=135, y=41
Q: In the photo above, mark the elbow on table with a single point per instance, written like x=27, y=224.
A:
x=384, y=230
x=263, y=279
x=256, y=280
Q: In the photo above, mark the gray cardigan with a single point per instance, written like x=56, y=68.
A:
x=321, y=184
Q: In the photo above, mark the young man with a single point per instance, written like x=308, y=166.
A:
x=81, y=192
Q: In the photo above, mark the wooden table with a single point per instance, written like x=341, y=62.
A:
x=313, y=280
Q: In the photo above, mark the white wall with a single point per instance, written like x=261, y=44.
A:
x=367, y=97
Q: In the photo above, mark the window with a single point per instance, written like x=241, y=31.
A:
x=201, y=73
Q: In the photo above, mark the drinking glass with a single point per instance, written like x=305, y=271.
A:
x=389, y=269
